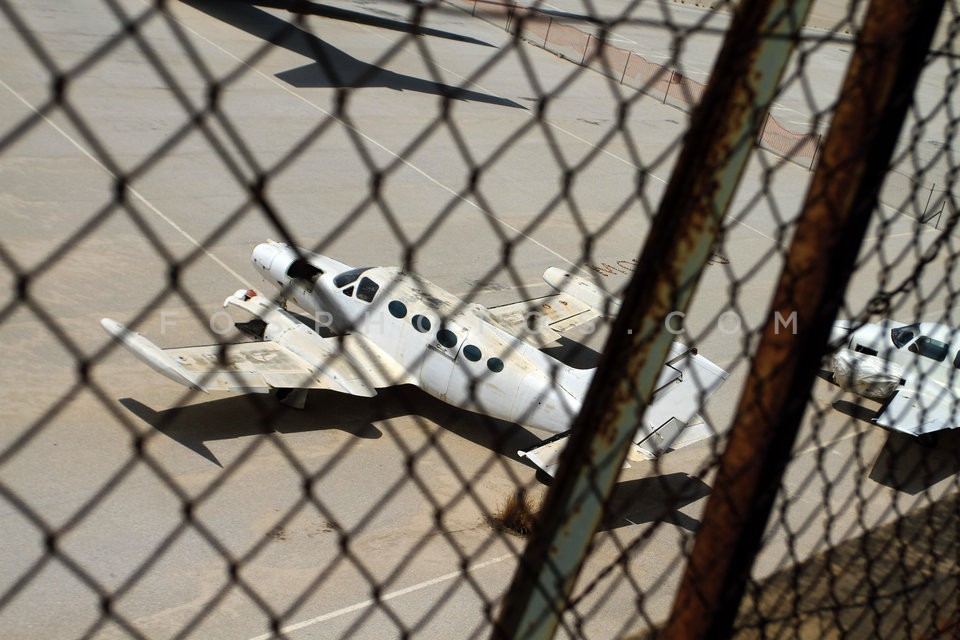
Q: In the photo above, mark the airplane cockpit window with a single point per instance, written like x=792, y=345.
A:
x=345, y=278
x=903, y=335
x=367, y=289
x=956, y=360
x=930, y=348
x=347, y=292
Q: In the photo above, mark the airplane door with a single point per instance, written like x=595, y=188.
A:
x=439, y=361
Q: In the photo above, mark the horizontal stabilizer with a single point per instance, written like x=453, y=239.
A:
x=546, y=455
x=671, y=436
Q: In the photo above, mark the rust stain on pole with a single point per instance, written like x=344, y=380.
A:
x=877, y=91
x=721, y=136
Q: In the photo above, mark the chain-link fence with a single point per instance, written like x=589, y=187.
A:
x=574, y=205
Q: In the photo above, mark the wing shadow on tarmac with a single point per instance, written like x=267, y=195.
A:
x=193, y=426
x=652, y=499
x=857, y=410
x=333, y=68
x=903, y=463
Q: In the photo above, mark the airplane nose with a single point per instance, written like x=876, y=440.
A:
x=263, y=255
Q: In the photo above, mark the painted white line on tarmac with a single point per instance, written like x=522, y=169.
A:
x=824, y=445
x=389, y=596
x=136, y=194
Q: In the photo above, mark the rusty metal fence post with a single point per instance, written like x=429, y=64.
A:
x=722, y=134
x=876, y=94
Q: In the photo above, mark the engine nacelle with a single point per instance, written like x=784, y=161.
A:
x=866, y=375
x=280, y=263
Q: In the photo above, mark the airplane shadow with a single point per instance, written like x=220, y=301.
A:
x=906, y=465
x=246, y=415
x=903, y=463
x=331, y=67
x=304, y=7
x=643, y=500
x=856, y=410
x=573, y=354
x=193, y=426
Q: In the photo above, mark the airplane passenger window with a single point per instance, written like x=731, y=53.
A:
x=447, y=338
x=347, y=277
x=956, y=360
x=472, y=352
x=367, y=289
x=495, y=365
x=420, y=323
x=903, y=335
x=397, y=309
x=930, y=348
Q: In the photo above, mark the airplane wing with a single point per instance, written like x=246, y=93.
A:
x=916, y=413
x=671, y=421
x=248, y=367
x=541, y=321
x=292, y=356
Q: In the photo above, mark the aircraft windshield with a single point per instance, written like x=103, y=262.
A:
x=367, y=289
x=930, y=348
x=345, y=278
x=903, y=335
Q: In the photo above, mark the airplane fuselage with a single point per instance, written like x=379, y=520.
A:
x=378, y=327
x=447, y=347
x=928, y=352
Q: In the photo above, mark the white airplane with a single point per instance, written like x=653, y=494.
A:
x=394, y=328
x=913, y=369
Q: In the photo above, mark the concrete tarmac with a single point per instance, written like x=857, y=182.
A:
x=97, y=461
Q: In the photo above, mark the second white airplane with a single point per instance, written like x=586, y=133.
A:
x=913, y=369
x=394, y=328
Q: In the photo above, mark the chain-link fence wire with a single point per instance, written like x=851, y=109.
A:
x=148, y=147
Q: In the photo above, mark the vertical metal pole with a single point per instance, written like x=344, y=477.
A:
x=763, y=130
x=669, y=84
x=927, y=205
x=722, y=134
x=816, y=153
x=877, y=91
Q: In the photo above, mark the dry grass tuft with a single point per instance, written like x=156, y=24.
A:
x=517, y=515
